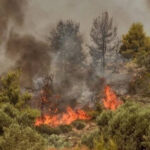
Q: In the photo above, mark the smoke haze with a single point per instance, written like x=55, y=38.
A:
x=48, y=12
x=24, y=27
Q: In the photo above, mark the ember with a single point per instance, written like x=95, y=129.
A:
x=59, y=119
x=111, y=101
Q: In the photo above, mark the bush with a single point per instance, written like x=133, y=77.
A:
x=55, y=141
x=5, y=121
x=45, y=129
x=65, y=128
x=141, y=85
x=89, y=138
x=101, y=144
x=79, y=124
x=128, y=126
x=20, y=138
x=16, y=118
x=28, y=116
x=11, y=92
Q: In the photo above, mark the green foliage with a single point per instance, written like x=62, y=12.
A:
x=89, y=138
x=104, y=118
x=5, y=121
x=141, y=85
x=143, y=57
x=101, y=144
x=27, y=117
x=10, y=110
x=10, y=90
x=65, y=128
x=79, y=124
x=128, y=126
x=134, y=41
x=19, y=138
x=17, y=118
x=94, y=113
x=58, y=142
x=45, y=129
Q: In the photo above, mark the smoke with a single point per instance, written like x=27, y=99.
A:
x=24, y=51
x=32, y=56
x=148, y=3
x=74, y=78
x=45, y=13
x=11, y=11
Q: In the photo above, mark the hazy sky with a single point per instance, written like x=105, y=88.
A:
x=43, y=14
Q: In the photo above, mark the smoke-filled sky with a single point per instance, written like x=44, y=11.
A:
x=25, y=25
x=42, y=14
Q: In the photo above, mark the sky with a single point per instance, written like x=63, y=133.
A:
x=42, y=15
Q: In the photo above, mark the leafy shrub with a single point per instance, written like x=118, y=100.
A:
x=5, y=121
x=98, y=109
x=28, y=116
x=101, y=144
x=21, y=138
x=79, y=124
x=10, y=110
x=89, y=138
x=17, y=118
x=128, y=126
x=57, y=141
x=141, y=85
x=45, y=129
x=65, y=128
x=11, y=92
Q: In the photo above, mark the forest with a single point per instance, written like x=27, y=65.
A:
x=68, y=92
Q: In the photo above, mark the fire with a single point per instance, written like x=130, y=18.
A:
x=65, y=118
x=111, y=101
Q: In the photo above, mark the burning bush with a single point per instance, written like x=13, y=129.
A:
x=128, y=126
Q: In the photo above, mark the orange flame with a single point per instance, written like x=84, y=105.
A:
x=111, y=101
x=66, y=118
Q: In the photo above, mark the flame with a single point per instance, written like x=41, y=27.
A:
x=111, y=101
x=65, y=118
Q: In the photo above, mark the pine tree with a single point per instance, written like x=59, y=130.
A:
x=134, y=41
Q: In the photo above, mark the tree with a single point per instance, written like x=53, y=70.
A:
x=17, y=119
x=66, y=43
x=67, y=40
x=103, y=34
x=10, y=90
x=134, y=41
x=143, y=56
